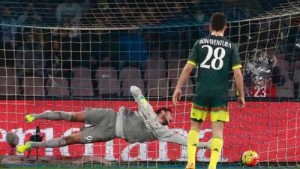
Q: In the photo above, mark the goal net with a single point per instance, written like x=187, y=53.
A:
x=69, y=55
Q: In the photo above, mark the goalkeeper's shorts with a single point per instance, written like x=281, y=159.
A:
x=216, y=107
x=102, y=125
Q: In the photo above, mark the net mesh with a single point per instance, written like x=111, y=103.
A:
x=120, y=13
x=88, y=53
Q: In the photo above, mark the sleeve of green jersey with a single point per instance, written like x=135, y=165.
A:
x=194, y=54
x=236, y=61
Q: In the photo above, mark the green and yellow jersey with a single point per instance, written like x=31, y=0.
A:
x=214, y=57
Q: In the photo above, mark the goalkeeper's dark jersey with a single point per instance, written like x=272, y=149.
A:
x=214, y=57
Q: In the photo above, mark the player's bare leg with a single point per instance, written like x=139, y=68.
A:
x=56, y=142
x=193, y=139
x=57, y=115
x=216, y=143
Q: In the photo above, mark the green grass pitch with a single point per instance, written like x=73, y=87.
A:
x=162, y=167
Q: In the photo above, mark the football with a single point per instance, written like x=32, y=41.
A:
x=250, y=158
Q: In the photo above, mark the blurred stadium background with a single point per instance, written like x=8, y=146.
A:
x=72, y=54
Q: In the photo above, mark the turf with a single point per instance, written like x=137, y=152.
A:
x=146, y=168
x=134, y=167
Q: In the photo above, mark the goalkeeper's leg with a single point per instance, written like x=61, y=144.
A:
x=56, y=142
x=216, y=143
x=57, y=115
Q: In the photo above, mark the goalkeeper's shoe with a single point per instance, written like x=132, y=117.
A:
x=22, y=148
x=29, y=118
x=190, y=166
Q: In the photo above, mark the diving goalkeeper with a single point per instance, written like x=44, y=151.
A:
x=139, y=126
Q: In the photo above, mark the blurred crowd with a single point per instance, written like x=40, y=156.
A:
x=271, y=67
x=122, y=13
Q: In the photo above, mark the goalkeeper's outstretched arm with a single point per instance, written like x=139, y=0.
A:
x=143, y=105
x=163, y=132
x=177, y=138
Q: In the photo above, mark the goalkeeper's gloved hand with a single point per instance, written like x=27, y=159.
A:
x=135, y=92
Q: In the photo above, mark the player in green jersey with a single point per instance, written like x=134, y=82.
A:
x=215, y=57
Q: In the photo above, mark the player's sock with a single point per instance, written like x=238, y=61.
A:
x=56, y=142
x=216, y=147
x=55, y=115
x=193, y=139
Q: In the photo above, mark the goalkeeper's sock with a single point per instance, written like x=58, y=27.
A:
x=193, y=139
x=55, y=115
x=56, y=142
x=216, y=147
